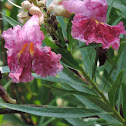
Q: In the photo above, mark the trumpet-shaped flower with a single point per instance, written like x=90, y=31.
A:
x=25, y=52
x=89, y=23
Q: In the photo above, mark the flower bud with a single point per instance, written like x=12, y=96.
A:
x=40, y=3
x=35, y=11
x=23, y=15
x=26, y=5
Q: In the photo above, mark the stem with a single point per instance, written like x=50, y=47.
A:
x=103, y=97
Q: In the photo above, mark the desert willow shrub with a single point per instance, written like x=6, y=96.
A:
x=63, y=41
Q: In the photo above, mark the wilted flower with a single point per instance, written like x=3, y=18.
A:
x=89, y=23
x=25, y=52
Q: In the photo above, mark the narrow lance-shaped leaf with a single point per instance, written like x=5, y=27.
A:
x=80, y=122
x=113, y=66
x=113, y=93
x=11, y=21
x=62, y=23
x=54, y=111
x=109, y=10
x=98, y=104
x=67, y=77
x=68, y=59
x=50, y=43
x=4, y=69
x=69, y=37
x=124, y=99
x=90, y=45
x=95, y=65
x=61, y=37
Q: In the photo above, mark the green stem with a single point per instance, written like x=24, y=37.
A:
x=103, y=97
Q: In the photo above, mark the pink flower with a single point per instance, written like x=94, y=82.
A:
x=25, y=52
x=89, y=23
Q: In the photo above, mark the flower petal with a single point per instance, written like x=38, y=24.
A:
x=46, y=62
x=12, y=37
x=20, y=67
x=96, y=9
x=31, y=31
x=89, y=30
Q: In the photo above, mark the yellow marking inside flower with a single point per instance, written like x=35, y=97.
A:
x=97, y=22
x=31, y=48
x=23, y=48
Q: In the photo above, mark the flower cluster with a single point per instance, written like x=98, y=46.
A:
x=24, y=44
x=30, y=9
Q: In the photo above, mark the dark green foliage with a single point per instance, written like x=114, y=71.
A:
x=68, y=99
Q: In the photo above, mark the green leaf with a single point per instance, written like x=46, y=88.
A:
x=109, y=9
x=53, y=111
x=50, y=43
x=113, y=66
x=122, y=62
x=119, y=18
x=79, y=122
x=85, y=57
x=123, y=2
x=124, y=99
x=11, y=21
x=99, y=105
x=122, y=40
x=90, y=45
x=4, y=69
x=63, y=25
x=48, y=121
x=67, y=77
x=61, y=37
x=69, y=37
x=92, y=122
x=68, y=59
x=117, y=5
x=95, y=64
x=113, y=93
x=1, y=118
x=88, y=56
